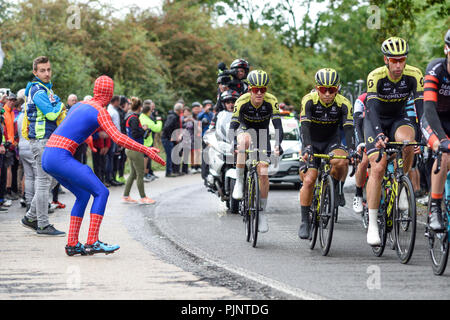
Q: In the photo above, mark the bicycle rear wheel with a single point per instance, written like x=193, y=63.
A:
x=405, y=220
x=438, y=246
x=254, y=200
x=327, y=212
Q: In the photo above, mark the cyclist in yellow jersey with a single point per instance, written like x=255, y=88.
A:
x=250, y=123
x=388, y=90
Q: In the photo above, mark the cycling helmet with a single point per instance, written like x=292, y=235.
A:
x=207, y=102
x=258, y=78
x=240, y=63
x=395, y=46
x=447, y=38
x=327, y=77
x=229, y=95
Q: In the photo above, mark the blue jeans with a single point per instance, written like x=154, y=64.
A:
x=168, y=146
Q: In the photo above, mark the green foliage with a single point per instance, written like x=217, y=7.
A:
x=70, y=69
x=175, y=54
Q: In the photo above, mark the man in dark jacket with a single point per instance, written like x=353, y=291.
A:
x=172, y=123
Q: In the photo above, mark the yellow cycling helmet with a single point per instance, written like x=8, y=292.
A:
x=394, y=46
x=327, y=77
x=258, y=78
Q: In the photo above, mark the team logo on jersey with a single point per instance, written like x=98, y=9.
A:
x=370, y=83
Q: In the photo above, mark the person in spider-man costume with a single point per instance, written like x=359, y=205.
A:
x=84, y=119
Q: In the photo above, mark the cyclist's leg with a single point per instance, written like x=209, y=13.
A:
x=339, y=170
x=306, y=194
x=243, y=140
x=437, y=191
x=373, y=188
x=263, y=174
x=360, y=180
x=403, y=131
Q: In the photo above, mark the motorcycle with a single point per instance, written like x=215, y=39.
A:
x=222, y=173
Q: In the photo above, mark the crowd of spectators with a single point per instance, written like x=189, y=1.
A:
x=132, y=116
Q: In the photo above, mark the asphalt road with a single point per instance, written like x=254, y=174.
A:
x=191, y=228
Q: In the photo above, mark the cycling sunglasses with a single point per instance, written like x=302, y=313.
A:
x=258, y=89
x=331, y=90
x=397, y=59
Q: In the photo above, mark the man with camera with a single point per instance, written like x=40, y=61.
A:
x=232, y=79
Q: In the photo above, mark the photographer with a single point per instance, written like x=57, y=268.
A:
x=238, y=71
x=154, y=123
x=233, y=79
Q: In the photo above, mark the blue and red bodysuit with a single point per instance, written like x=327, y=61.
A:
x=84, y=119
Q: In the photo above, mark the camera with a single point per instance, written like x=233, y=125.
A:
x=228, y=77
x=4, y=91
x=147, y=133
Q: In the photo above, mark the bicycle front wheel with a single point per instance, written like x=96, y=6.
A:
x=405, y=220
x=314, y=217
x=254, y=200
x=438, y=245
x=327, y=212
x=378, y=250
x=245, y=211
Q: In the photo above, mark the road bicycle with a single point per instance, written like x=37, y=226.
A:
x=438, y=242
x=324, y=206
x=249, y=205
x=392, y=214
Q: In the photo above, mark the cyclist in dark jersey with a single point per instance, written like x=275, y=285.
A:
x=359, y=110
x=323, y=113
x=250, y=123
x=388, y=89
x=436, y=126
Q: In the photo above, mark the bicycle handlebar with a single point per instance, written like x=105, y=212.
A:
x=439, y=158
x=331, y=156
x=395, y=146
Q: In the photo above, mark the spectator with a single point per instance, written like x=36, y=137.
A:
x=136, y=131
x=81, y=153
x=171, y=124
x=115, y=116
x=71, y=100
x=43, y=112
x=196, y=108
x=26, y=158
x=147, y=119
x=120, y=156
x=2, y=153
x=102, y=143
x=10, y=145
x=188, y=139
x=205, y=118
x=179, y=166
